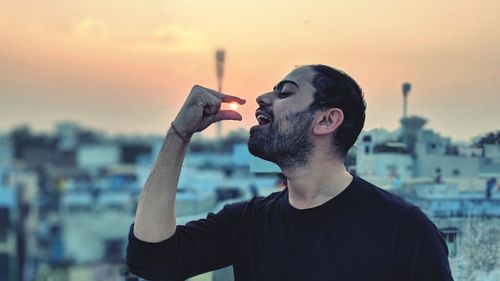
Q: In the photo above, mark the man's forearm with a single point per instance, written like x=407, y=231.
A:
x=155, y=215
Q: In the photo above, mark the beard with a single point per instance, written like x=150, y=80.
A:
x=286, y=142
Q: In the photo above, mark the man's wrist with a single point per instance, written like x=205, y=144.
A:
x=185, y=137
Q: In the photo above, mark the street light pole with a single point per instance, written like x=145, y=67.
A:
x=220, y=55
x=406, y=90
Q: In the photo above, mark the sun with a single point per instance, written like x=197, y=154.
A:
x=233, y=106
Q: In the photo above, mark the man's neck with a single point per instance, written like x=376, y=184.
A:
x=317, y=182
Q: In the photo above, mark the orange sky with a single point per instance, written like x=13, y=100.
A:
x=126, y=66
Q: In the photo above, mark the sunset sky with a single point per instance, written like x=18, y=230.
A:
x=126, y=66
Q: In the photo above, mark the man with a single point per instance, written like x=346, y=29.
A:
x=326, y=225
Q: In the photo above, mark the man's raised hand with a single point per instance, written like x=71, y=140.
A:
x=202, y=108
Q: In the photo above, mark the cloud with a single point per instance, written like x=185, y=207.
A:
x=172, y=37
x=175, y=37
x=91, y=28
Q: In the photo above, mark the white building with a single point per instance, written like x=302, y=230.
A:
x=94, y=227
x=492, y=151
x=385, y=166
x=93, y=157
x=422, y=153
x=489, y=167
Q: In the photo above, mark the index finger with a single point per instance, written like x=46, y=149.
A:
x=227, y=98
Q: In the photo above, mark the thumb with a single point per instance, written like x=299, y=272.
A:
x=227, y=115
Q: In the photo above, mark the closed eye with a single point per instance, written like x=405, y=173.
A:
x=284, y=94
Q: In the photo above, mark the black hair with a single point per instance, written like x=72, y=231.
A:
x=334, y=88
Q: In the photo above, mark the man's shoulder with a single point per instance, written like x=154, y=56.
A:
x=256, y=203
x=270, y=199
x=372, y=195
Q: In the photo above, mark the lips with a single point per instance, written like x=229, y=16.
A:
x=262, y=117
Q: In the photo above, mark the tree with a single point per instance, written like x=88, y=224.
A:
x=488, y=138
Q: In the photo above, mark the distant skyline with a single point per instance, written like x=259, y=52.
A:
x=127, y=66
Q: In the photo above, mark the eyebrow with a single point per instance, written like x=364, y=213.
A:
x=283, y=82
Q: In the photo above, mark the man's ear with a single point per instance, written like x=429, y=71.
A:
x=327, y=121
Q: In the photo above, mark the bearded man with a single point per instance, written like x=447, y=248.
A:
x=327, y=224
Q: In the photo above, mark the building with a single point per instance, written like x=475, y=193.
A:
x=8, y=234
x=416, y=152
x=6, y=149
x=93, y=227
x=95, y=156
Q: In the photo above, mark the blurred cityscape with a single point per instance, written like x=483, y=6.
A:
x=68, y=197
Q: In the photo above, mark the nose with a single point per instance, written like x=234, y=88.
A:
x=264, y=99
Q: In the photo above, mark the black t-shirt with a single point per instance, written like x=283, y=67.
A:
x=364, y=233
